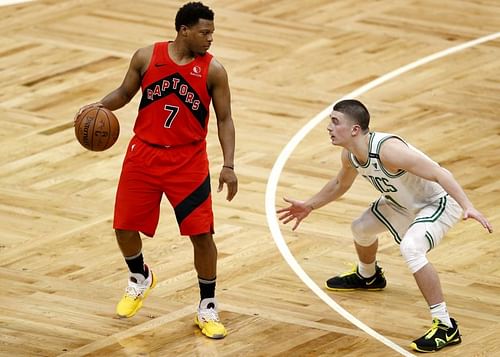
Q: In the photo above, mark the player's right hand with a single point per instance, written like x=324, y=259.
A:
x=297, y=210
x=85, y=107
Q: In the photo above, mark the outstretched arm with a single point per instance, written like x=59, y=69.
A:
x=221, y=96
x=333, y=190
x=397, y=155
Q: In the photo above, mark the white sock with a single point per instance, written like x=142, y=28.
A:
x=366, y=270
x=441, y=312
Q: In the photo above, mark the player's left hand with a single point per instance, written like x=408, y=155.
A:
x=478, y=216
x=228, y=177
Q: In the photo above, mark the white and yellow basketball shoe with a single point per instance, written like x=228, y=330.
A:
x=137, y=290
x=208, y=321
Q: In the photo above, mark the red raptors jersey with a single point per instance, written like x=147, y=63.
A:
x=175, y=101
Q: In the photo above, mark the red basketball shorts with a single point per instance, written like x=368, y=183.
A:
x=181, y=173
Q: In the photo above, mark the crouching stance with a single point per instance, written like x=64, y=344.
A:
x=419, y=202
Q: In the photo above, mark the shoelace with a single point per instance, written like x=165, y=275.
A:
x=135, y=290
x=435, y=326
x=209, y=315
x=354, y=268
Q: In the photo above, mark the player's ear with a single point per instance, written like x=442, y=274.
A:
x=183, y=30
x=355, y=130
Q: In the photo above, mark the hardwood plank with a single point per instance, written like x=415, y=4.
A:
x=61, y=272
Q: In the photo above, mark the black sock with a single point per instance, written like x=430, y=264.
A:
x=136, y=264
x=207, y=288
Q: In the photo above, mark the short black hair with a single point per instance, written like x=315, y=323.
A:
x=356, y=111
x=189, y=14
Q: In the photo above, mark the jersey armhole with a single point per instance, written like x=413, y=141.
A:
x=206, y=70
x=381, y=164
x=156, y=47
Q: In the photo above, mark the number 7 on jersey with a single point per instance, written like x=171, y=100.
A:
x=172, y=113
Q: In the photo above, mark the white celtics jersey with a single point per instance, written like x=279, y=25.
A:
x=403, y=189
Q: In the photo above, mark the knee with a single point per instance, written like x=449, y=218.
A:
x=126, y=236
x=414, y=252
x=203, y=241
x=361, y=236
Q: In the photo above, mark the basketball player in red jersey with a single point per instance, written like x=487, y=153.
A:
x=168, y=155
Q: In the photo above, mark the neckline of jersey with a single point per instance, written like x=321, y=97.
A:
x=172, y=60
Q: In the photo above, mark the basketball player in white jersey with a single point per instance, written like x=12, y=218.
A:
x=419, y=202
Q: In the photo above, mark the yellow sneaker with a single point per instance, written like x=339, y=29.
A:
x=208, y=321
x=137, y=290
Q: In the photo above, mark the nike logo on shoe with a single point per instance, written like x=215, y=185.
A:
x=449, y=338
x=371, y=281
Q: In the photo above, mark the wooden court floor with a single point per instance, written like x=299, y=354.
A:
x=61, y=272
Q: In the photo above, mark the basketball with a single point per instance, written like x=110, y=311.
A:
x=97, y=128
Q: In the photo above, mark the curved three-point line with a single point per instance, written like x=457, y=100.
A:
x=272, y=184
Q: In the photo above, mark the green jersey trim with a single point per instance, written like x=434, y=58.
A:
x=385, y=221
x=377, y=151
x=352, y=160
x=355, y=161
x=370, y=144
x=430, y=239
x=435, y=216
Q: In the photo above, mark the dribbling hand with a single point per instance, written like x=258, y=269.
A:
x=85, y=107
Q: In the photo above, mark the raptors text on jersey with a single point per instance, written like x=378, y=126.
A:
x=174, y=108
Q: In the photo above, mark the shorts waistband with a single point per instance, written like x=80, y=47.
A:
x=159, y=146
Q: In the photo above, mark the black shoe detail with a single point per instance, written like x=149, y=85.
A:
x=439, y=335
x=353, y=280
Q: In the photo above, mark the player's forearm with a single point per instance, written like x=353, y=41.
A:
x=450, y=185
x=329, y=193
x=227, y=140
x=116, y=99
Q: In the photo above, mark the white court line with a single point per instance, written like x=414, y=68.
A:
x=12, y=2
x=272, y=185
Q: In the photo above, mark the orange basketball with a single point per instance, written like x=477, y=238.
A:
x=97, y=128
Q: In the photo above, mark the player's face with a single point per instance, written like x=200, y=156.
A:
x=340, y=128
x=200, y=36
